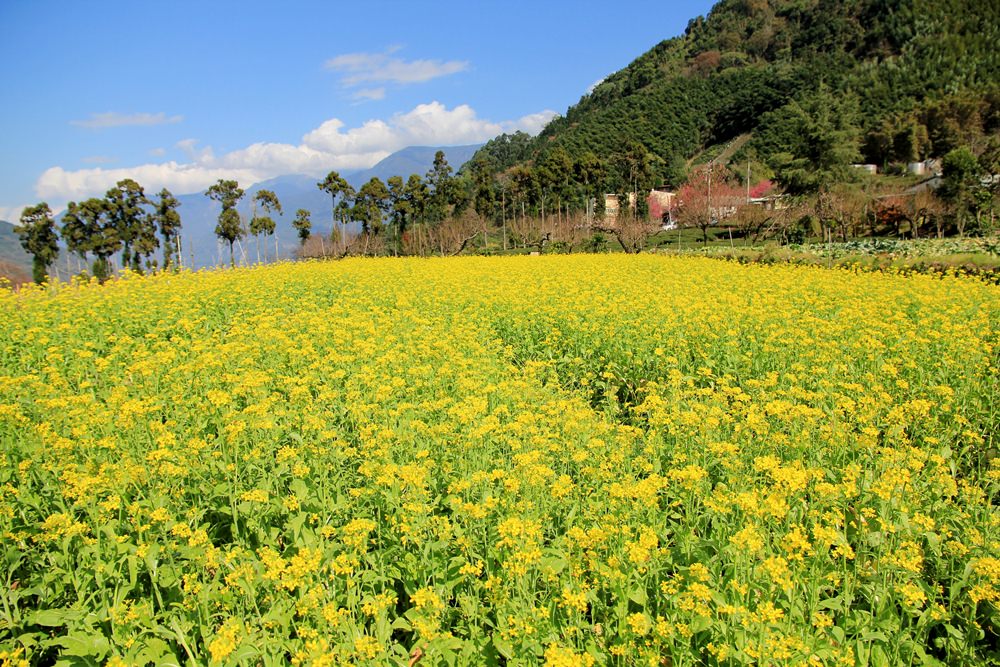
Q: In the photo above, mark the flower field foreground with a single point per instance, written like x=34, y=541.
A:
x=576, y=460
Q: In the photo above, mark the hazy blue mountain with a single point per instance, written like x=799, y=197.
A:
x=10, y=248
x=412, y=160
x=199, y=214
x=295, y=191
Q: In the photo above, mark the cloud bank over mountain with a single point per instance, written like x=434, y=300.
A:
x=332, y=145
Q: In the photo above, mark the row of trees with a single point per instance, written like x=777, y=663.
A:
x=551, y=200
x=384, y=212
x=388, y=213
x=128, y=222
x=124, y=221
x=230, y=227
x=965, y=200
x=529, y=204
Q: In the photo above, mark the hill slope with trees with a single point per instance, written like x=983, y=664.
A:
x=821, y=82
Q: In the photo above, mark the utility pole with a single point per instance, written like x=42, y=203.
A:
x=710, y=166
x=503, y=215
x=748, y=180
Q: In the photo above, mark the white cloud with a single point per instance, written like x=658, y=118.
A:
x=190, y=148
x=329, y=146
x=532, y=123
x=370, y=94
x=115, y=119
x=158, y=152
x=594, y=85
x=359, y=68
x=12, y=213
x=59, y=184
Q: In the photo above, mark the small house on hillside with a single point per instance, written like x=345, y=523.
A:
x=612, y=205
x=660, y=201
x=771, y=202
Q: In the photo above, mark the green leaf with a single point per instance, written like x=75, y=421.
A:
x=553, y=563
x=167, y=576
x=54, y=618
x=954, y=632
x=151, y=556
x=243, y=654
x=700, y=623
x=133, y=570
x=158, y=652
x=299, y=488
x=295, y=523
x=85, y=646
x=879, y=658
x=503, y=647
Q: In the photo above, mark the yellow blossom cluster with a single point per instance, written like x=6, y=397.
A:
x=556, y=460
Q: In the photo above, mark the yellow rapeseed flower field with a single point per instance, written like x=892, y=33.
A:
x=576, y=460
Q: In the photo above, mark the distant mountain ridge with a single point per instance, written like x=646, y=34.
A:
x=199, y=214
x=11, y=250
x=412, y=160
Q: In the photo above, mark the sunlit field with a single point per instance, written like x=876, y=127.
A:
x=578, y=460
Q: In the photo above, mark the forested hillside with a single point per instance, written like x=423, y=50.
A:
x=878, y=81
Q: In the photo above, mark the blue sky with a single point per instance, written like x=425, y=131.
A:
x=178, y=94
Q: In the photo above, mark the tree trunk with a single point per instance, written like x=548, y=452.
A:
x=524, y=242
x=503, y=216
x=333, y=222
x=38, y=270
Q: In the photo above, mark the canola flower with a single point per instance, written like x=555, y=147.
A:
x=547, y=461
